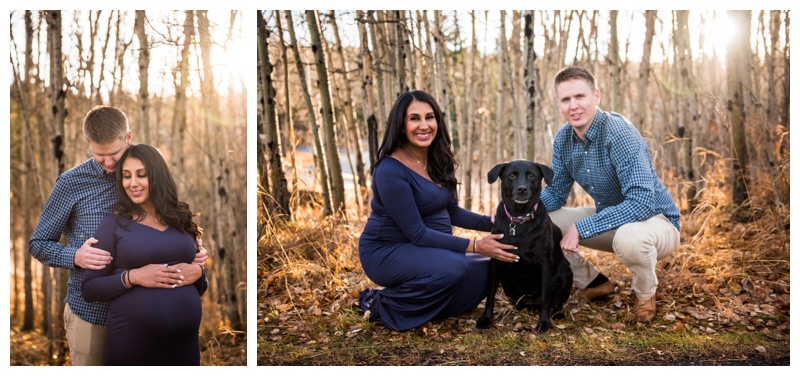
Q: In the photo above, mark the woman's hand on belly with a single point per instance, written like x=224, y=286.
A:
x=158, y=276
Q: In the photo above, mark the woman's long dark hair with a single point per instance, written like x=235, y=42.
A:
x=162, y=190
x=441, y=161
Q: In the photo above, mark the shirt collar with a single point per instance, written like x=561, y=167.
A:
x=97, y=168
x=594, y=128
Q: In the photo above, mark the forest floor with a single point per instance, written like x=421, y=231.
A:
x=723, y=299
x=224, y=348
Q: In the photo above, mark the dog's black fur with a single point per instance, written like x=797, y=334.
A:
x=541, y=278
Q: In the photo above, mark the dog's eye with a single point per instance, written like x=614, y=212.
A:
x=530, y=175
x=512, y=175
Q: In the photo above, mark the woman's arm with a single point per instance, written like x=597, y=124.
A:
x=107, y=283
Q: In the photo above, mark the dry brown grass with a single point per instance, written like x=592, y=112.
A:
x=723, y=299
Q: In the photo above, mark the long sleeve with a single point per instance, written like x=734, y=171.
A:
x=466, y=219
x=105, y=284
x=44, y=244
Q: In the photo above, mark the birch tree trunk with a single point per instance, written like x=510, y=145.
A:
x=642, y=99
x=441, y=66
x=531, y=80
x=613, y=65
x=322, y=161
x=738, y=61
x=288, y=104
x=374, y=32
x=349, y=114
x=144, y=67
x=58, y=102
x=400, y=59
x=337, y=182
x=687, y=103
x=366, y=88
x=280, y=192
x=471, y=84
x=179, y=120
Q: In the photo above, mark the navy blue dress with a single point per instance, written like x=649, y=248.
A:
x=407, y=246
x=146, y=326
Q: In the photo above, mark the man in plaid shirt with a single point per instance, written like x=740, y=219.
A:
x=81, y=198
x=634, y=216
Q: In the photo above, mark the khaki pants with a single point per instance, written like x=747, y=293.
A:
x=638, y=246
x=87, y=342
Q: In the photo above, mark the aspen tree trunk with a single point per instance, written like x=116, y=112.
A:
x=93, y=28
x=423, y=59
x=341, y=125
x=322, y=162
x=337, y=182
x=613, y=65
x=482, y=122
x=531, y=80
x=280, y=192
x=288, y=108
x=773, y=111
x=144, y=67
x=516, y=82
x=381, y=114
x=400, y=60
x=59, y=112
x=502, y=91
x=441, y=66
x=510, y=75
x=642, y=99
x=471, y=84
x=179, y=120
x=98, y=98
x=408, y=42
x=366, y=88
x=786, y=70
x=738, y=62
x=25, y=95
x=349, y=114
x=429, y=59
x=387, y=40
x=687, y=103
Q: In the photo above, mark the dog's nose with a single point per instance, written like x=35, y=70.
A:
x=522, y=189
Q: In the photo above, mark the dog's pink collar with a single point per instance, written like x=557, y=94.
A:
x=521, y=219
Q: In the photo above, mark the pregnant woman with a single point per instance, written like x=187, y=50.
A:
x=154, y=306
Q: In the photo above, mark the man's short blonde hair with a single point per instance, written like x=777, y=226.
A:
x=105, y=124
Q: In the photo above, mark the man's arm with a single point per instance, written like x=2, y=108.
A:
x=555, y=195
x=44, y=244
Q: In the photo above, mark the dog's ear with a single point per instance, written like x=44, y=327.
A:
x=547, y=172
x=495, y=172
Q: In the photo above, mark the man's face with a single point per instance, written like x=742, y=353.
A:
x=108, y=154
x=577, y=102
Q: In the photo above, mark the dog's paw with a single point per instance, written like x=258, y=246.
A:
x=484, y=323
x=543, y=326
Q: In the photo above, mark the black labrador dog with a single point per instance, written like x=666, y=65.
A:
x=541, y=278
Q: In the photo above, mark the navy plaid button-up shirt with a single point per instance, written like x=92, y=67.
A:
x=612, y=164
x=81, y=198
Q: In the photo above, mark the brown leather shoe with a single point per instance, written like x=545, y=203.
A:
x=646, y=309
x=598, y=291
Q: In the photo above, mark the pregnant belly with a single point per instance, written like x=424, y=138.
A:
x=168, y=312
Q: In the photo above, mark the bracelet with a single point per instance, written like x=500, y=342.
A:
x=128, y=276
x=122, y=278
x=474, y=245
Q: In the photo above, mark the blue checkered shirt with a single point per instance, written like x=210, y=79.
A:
x=81, y=198
x=612, y=164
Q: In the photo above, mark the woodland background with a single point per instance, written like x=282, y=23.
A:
x=708, y=90
x=178, y=77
